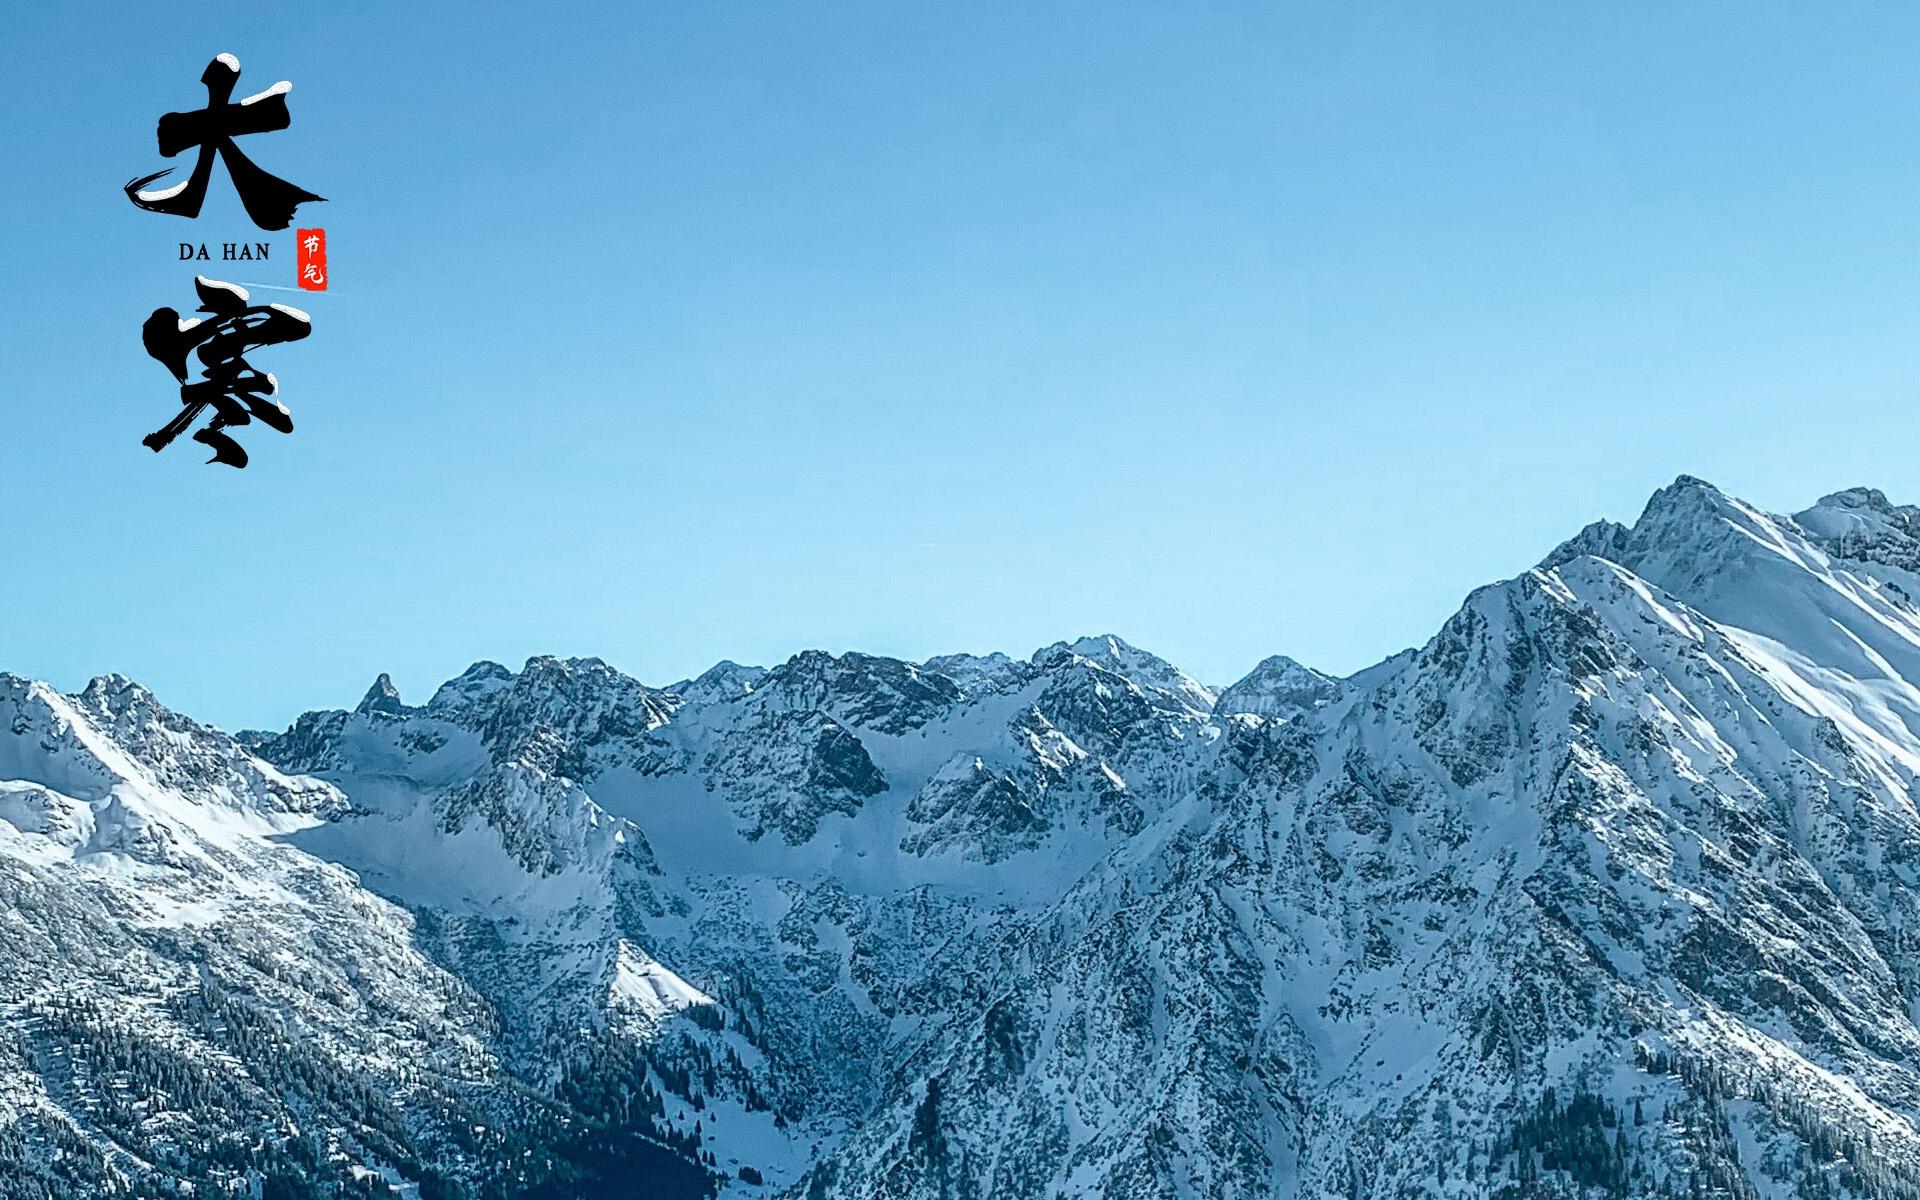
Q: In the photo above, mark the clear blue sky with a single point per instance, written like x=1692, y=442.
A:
x=673, y=333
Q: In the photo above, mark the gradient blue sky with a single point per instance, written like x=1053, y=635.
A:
x=673, y=333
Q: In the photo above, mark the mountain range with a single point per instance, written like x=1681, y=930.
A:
x=1608, y=889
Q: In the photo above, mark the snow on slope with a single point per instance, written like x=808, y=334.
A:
x=171, y=967
x=1608, y=889
x=1634, y=833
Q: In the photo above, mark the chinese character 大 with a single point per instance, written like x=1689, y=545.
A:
x=269, y=200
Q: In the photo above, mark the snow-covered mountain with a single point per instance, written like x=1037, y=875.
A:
x=1608, y=889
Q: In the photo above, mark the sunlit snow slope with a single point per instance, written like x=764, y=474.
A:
x=1607, y=890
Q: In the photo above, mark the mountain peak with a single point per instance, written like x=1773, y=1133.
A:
x=114, y=691
x=553, y=664
x=1115, y=654
x=1856, y=497
x=1602, y=539
x=1684, y=532
x=979, y=673
x=1100, y=647
x=885, y=694
x=382, y=697
x=1103, y=645
x=723, y=681
x=1687, y=495
x=471, y=686
x=1278, y=687
x=1862, y=525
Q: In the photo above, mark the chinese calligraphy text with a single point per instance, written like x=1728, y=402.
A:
x=269, y=200
x=235, y=391
x=310, y=258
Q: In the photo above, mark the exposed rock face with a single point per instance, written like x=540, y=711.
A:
x=1607, y=890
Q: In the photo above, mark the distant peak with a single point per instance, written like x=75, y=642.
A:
x=481, y=679
x=381, y=697
x=1279, y=687
x=1103, y=645
x=1687, y=493
x=1860, y=523
x=1601, y=539
x=116, y=694
x=1113, y=653
x=548, y=672
x=1106, y=647
x=1689, y=512
x=979, y=673
x=1280, y=664
x=724, y=680
x=112, y=684
x=587, y=682
x=825, y=664
x=543, y=663
x=1857, y=497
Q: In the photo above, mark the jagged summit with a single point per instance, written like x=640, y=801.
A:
x=725, y=680
x=1861, y=523
x=1856, y=497
x=979, y=674
x=471, y=686
x=381, y=697
x=1112, y=653
x=114, y=688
